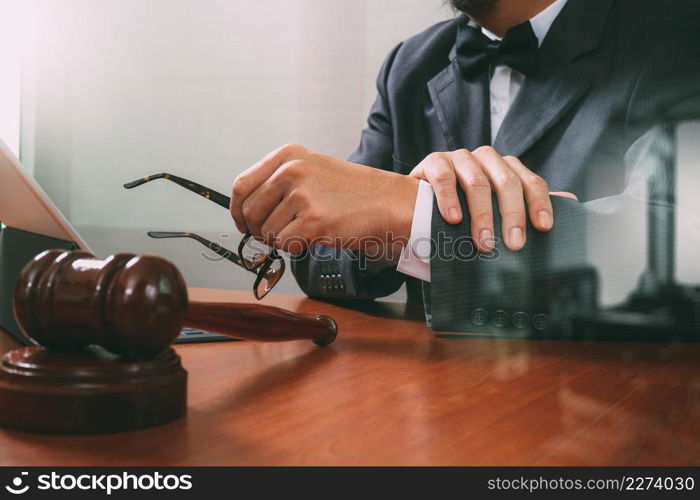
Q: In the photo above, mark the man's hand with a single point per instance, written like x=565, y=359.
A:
x=294, y=196
x=480, y=173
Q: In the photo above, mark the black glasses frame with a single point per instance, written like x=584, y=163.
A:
x=264, y=267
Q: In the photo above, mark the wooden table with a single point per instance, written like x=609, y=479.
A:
x=389, y=391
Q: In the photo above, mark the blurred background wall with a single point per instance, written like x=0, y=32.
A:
x=116, y=89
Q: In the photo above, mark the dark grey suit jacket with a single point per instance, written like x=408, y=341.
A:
x=611, y=71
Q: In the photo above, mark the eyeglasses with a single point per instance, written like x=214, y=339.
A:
x=252, y=255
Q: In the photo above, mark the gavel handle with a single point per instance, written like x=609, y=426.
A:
x=258, y=322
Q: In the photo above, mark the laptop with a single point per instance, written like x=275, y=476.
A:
x=26, y=207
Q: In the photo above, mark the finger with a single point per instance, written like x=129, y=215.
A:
x=250, y=179
x=564, y=194
x=259, y=205
x=509, y=192
x=292, y=238
x=536, y=190
x=439, y=171
x=418, y=172
x=477, y=187
x=282, y=215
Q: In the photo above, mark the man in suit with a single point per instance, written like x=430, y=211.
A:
x=490, y=126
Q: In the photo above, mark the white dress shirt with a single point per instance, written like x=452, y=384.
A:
x=504, y=87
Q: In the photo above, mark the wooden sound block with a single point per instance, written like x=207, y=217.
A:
x=89, y=392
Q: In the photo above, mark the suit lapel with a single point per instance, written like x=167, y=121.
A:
x=540, y=104
x=559, y=85
x=461, y=108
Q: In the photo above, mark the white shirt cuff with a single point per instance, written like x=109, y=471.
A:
x=415, y=258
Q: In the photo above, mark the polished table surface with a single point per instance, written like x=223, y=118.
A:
x=389, y=391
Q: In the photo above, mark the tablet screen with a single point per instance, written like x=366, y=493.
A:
x=24, y=205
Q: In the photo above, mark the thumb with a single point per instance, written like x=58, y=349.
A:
x=418, y=173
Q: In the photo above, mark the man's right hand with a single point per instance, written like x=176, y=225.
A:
x=480, y=173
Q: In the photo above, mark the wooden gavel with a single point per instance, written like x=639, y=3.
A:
x=137, y=305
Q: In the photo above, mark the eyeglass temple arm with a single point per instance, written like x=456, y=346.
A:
x=214, y=247
x=203, y=191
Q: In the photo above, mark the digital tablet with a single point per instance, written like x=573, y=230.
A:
x=24, y=205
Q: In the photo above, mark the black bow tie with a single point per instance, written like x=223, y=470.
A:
x=476, y=52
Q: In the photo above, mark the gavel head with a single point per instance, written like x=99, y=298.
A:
x=129, y=305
